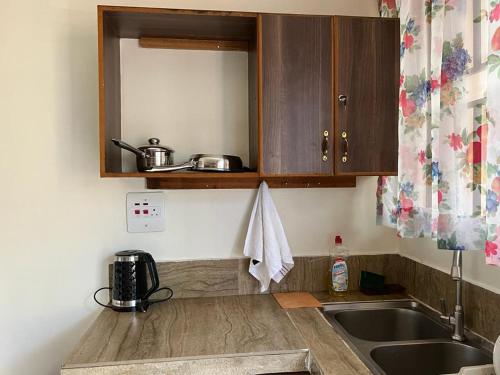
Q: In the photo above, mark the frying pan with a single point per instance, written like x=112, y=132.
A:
x=206, y=162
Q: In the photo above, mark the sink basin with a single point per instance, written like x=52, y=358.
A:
x=428, y=358
x=390, y=325
x=403, y=337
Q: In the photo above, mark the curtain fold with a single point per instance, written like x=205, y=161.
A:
x=448, y=186
x=492, y=190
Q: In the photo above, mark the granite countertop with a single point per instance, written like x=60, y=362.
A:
x=247, y=334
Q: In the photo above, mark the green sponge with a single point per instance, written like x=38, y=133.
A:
x=372, y=283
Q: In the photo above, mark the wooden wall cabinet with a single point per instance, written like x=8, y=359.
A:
x=330, y=95
x=297, y=68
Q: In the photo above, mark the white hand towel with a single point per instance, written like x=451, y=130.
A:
x=266, y=242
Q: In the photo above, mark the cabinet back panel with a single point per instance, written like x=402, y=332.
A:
x=194, y=101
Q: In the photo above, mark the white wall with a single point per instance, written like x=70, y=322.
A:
x=61, y=222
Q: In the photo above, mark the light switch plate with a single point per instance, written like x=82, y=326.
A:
x=145, y=212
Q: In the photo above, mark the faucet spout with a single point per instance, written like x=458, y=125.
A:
x=458, y=314
x=456, y=266
x=456, y=320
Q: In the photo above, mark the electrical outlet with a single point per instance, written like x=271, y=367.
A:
x=145, y=212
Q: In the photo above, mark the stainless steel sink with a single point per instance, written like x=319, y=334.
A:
x=427, y=358
x=395, y=324
x=402, y=337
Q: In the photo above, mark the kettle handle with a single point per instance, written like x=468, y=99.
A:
x=153, y=274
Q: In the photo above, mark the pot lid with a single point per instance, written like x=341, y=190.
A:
x=154, y=145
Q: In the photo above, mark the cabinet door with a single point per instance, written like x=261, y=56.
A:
x=297, y=121
x=367, y=75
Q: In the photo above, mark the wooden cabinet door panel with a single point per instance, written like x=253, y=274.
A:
x=367, y=73
x=296, y=95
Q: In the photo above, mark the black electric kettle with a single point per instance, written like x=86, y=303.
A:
x=130, y=291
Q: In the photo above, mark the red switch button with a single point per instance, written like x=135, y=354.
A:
x=145, y=212
x=137, y=212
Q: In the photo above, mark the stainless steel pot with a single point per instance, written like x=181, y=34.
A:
x=150, y=156
x=206, y=162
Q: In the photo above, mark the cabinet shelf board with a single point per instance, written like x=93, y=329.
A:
x=194, y=44
x=133, y=22
x=237, y=181
x=184, y=175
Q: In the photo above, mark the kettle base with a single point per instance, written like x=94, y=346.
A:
x=140, y=308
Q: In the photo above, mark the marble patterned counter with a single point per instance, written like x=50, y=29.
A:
x=247, y=334
x=214, y=334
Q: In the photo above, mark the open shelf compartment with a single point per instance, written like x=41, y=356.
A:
x=172, y=29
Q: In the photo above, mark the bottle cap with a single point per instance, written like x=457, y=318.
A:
x=338, y=240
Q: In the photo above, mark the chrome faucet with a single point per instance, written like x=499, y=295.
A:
x=457, y=318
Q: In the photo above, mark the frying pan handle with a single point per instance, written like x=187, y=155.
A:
x=128, y=147
x=187, y=165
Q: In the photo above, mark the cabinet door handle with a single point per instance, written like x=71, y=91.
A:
x=324, y=146
x=345, y=151
x=343, y=100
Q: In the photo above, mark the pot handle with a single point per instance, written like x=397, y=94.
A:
x=128, y=147
x=187, y=165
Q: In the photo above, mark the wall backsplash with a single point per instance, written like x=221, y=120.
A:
x=428, y=284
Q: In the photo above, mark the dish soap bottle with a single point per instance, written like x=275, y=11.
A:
x=339, y=275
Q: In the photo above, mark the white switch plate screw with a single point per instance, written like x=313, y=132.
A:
x=145, y=212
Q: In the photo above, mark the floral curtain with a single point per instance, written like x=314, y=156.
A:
x=388, y=8
x=448, y=186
